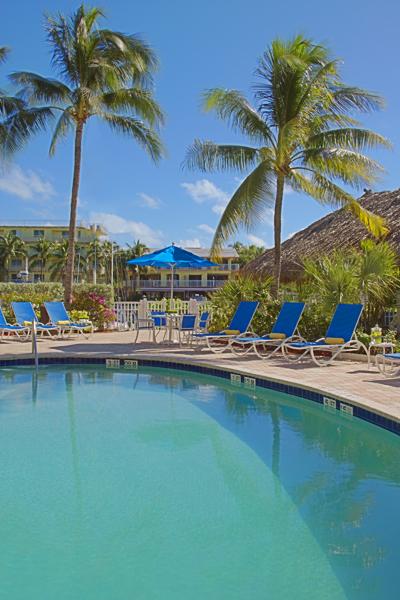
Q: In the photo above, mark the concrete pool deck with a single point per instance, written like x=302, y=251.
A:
x=345, y=380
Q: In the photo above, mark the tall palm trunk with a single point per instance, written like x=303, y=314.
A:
x=280, y=183
x=69, y=270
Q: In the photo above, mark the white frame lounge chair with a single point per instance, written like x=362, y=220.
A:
x=283, y=330
x=239, y=325
x=339, y=338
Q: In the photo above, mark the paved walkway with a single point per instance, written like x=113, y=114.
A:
x=345, y=380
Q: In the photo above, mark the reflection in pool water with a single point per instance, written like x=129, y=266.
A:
x=157, y=485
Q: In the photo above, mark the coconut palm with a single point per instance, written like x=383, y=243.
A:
x=11, y=246
x=59, y=261
x=18, y=121
x=302, y=134
x=42, y=251
x=104, y=74
x=95, y=257
x=136, y=250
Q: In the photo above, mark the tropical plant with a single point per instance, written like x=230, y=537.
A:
x=42, y=251
x=247, y=253
x=369, y=275
x=378, y=279
x=11, y=246
x=302, y=135
x=104, y=74
x=59, y=260
x=18, y=121
x=95, y=257
x=225, y=300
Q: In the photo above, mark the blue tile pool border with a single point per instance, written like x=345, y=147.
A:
x=261, y=382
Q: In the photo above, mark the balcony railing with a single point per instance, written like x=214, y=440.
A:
x=183, y=284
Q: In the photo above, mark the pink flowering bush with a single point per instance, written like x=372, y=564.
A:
x=96, y=305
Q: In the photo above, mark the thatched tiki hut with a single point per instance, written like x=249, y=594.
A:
x=339, y=229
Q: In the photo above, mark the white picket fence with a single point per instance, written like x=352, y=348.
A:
x=128, y=312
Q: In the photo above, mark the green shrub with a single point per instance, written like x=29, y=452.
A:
x=38, y=293
x=225, y=300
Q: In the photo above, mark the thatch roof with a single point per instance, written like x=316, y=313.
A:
x=339, y=229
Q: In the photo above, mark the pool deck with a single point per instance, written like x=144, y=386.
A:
x=345, y=380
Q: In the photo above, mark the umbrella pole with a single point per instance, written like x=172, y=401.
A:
x=172, y=283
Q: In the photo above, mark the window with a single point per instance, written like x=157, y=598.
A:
x=38, y=233
x=13, y=232
x=16, y=263
x=65, y=234
x=37, y=278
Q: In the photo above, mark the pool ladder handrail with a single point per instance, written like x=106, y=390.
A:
x=34, y=345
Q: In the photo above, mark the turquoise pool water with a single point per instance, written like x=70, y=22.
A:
x=165, y=485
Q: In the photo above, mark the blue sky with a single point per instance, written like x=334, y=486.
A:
x=200, y=45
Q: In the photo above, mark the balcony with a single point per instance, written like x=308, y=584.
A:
x=156, y=284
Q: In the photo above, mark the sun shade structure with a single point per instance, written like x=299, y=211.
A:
x=172, y=257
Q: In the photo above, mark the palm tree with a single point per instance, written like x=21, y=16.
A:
x=103, y=73
x=11, y=246
x=42, y=251
x=59, y=261
x=136, y=250
x=18, y=121
x=302, y=134
x=95, y=257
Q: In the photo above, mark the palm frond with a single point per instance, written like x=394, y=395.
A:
x=16, y=130
x=349, y=137
x=248, y=204
x=36, y=88
x=232, y=106
x=207, y=156
x=351, y=167
x=134, y=100
x=61, y=129
x=4, y=51
x=326, y=192
x=347, y=99
x=136, y=129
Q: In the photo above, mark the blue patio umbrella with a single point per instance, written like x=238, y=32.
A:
x=170, y=258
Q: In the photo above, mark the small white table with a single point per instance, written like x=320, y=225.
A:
x=386, y=347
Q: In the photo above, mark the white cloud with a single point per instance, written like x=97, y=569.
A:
x=206, y=228
x=257, y=241
x=204, y=190
x=148, y=201
x=118, y=225
x=26, y=185
x=190, y=243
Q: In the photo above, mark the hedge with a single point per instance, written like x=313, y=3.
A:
x=38, y=293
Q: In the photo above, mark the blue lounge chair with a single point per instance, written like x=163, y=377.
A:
x=283, y=330
x=25, y=315
x=239, y=325
x=6, y=328
x=59, y=318
x=340, y=337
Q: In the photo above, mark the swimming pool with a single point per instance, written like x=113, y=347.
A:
x=158, y=485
